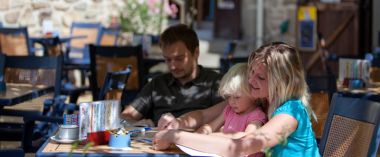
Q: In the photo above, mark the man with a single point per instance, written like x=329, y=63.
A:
x=187, y=87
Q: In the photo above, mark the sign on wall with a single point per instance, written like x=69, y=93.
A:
x=307, y=28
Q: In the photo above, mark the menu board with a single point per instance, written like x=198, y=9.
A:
x=98, y=116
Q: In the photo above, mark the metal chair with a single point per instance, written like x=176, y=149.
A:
x=352, y=127
x=15, y=41
x=113, y=58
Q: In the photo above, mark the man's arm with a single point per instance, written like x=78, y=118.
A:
x=191, y=120
x=131, y=114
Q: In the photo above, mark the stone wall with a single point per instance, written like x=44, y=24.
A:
x=30, y=13
x=275, y=12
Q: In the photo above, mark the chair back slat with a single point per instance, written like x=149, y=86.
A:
x=14, y=41
x=33, y=70
x=110, y=64
x=352, y=126
x=348, y=137
x=30, y=76
x=90, y=30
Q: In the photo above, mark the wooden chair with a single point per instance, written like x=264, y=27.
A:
x=15, y=41
x=352, y=127
x=106, y=59
x=35, y=71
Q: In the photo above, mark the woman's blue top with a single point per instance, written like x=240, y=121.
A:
x=302, y=141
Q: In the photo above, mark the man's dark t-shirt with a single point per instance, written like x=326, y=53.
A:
x=165, y=94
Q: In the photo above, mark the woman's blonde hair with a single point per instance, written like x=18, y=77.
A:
x=235, y=81
x=286, y=77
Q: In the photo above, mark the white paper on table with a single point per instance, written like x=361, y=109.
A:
x=194, y=152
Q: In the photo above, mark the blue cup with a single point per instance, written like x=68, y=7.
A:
x=356, y=84
x=120, y=141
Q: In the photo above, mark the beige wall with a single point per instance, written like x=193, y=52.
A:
x=62, y=12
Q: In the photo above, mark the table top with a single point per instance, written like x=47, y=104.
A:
x=18, y=93
x=138, y=148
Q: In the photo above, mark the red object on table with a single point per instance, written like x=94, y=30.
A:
x=98, y=138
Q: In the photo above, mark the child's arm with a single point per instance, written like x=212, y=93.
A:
x=251, y=127
x=213, y=126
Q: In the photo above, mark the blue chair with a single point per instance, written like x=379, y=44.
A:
x=352, y=126
x=15, y=41
x=77, y=51
x=106, y=59
x=115, y=81
x=109, y=36
x=37, y=71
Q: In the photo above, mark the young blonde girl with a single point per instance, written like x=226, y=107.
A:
x=242, y=115
x=276, y=76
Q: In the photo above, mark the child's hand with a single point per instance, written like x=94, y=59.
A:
x=167, y=121
x=162, y=139
x=205, y=129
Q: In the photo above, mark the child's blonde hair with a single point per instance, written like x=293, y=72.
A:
x=286, y=78
x=235, y=81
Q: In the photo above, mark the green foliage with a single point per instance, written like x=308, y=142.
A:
x=76, y=145
x=142, y=16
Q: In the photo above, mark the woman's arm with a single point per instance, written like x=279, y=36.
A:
x=251, y=128
x=269, y=135
x=213, y=126
x=191, y=120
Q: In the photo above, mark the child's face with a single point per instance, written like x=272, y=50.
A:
x=258, y=80
x=241, y=104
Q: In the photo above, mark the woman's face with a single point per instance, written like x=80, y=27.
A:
x=258, y=80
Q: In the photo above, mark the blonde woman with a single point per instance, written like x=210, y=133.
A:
x=277, y=76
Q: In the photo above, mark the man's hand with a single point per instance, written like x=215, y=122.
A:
x=167, y=121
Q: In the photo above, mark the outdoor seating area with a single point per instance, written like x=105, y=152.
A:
x=157, y=78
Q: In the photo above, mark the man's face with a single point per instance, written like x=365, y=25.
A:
x=180, y=61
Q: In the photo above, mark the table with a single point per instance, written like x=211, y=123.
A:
x=18, y=93
x=26, y=101
x=138, y=149
x=372, y=92
x=47, y=42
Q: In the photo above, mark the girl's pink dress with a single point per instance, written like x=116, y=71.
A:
x=237, y=123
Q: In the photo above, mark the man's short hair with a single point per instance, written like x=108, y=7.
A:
x=181, y=33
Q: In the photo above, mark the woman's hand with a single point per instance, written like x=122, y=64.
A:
x=167, y=121
x=163, y=139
